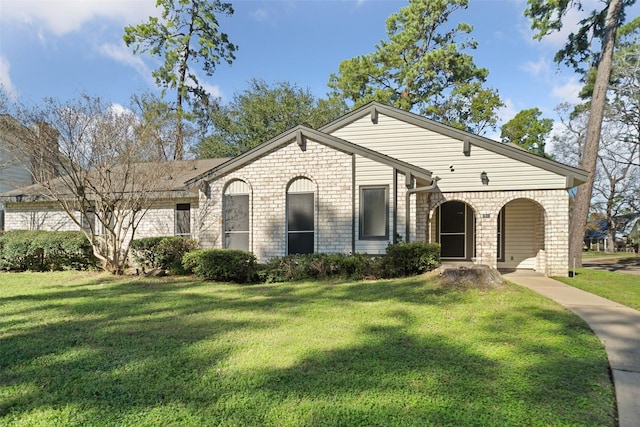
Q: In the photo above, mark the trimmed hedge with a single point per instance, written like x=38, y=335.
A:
x=400, y=260
x=23, y=250
x=320, y=266
x=408, y=259
x=222, y=265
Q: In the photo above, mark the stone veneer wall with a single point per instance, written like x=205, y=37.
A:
x=554, y=223
x=268, y=178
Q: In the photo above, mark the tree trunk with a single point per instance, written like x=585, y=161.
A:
x=596, y=113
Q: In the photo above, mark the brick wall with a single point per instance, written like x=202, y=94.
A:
x=551, y=224
x=268, y=178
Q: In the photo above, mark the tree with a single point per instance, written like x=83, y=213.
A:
x=90, y=163
x=261, y=112
x=601, y=24
x=617, y=177
x=423, y=67
x=528, y=131
x=187, y=32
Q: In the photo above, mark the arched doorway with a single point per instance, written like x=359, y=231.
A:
x=521, y=235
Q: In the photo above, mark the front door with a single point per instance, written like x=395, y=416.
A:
x=455, y=230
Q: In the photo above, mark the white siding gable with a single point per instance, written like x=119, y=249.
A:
x=444, y=157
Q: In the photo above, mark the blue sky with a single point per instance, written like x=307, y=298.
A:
x=61, y=48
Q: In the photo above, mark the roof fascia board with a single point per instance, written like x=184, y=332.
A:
x=579, y=176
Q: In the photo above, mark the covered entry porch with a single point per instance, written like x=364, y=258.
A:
x=516, y=230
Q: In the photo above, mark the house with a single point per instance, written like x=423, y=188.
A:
x=381, y=175
x=173, y=210
x=14, y=173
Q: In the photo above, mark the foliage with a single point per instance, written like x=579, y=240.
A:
x=600, y=25
x=87, y=158
x=260, y=113
x=223, y=265
x=187, y=32
x=143, y=251
x=94, y=350
x=423, y=67
x=400, y=260
x=23, y=250
x=407, y=259
x=170, y=251
x=578, y=52
x=163, y=253
x=319, y=267
x=527, y=130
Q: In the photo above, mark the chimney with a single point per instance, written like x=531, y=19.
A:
x=45, y=157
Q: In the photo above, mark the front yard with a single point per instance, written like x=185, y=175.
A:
x=94, y=350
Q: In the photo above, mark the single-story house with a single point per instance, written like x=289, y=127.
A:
x=380, y=175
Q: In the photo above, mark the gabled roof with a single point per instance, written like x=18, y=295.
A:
x=300, y=134
x=575, y=176
x=171, y=177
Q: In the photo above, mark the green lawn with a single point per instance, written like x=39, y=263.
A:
x=616, y=286
x=94, y=350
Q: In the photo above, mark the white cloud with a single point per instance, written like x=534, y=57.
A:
x=123, y=55
x=507, y=112
x=568, y=92
x=5, y=79
x=119, y=109
x=260, y=15
x=63, y=16
x=213, y=90
x=540, y=68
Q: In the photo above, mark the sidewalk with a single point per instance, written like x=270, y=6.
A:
x=617, y=326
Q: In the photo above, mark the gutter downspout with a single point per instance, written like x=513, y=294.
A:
x=407, y=202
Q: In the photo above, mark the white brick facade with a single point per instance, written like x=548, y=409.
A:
x=268, y=178
x=387, y=151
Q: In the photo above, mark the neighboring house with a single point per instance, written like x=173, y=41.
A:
x=13, y=172
x=628, y=235
x=174, y=210
x=380, y=175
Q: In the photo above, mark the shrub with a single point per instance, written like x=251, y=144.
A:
x=407, y=259
x=23, y=250
x=319, y=266
x=170, y=251
x=224, y=265
x=162, y=252
x=143, y=251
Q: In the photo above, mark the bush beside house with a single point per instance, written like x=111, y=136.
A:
x=45, y=251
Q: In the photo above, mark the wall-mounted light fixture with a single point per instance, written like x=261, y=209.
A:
x=484, y=178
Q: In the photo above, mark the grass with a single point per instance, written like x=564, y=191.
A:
x=616, y=286
x=94, y=350
x=587, y=255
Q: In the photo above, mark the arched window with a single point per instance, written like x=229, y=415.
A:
x=301, y=217
x=236, y=216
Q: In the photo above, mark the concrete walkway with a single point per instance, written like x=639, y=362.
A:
x=617, y=326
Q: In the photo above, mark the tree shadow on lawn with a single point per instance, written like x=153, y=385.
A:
x=121, y=350
x=399, y=378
